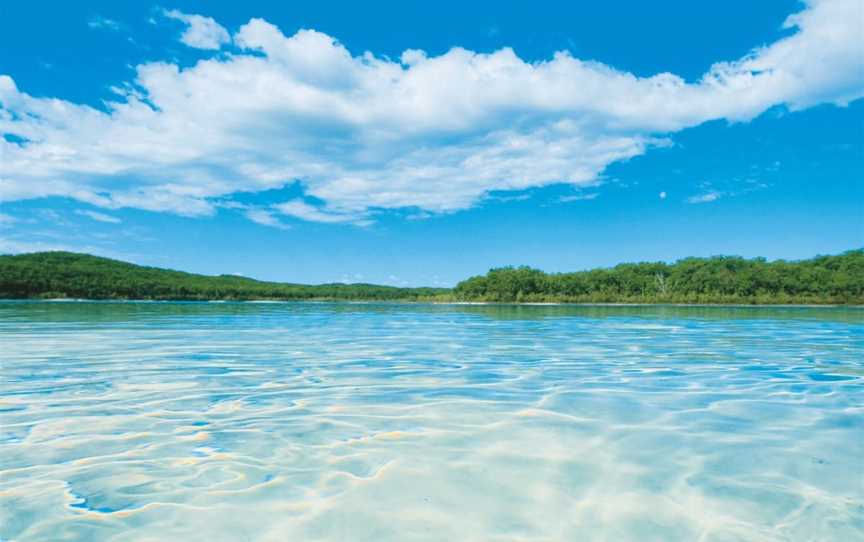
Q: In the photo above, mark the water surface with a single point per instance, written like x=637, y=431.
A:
x=312, y=421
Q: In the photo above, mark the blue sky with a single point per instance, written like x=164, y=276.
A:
x=423, y=143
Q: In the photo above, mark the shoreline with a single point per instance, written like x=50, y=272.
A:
x=431, y=302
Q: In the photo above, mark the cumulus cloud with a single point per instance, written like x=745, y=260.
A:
x=201, y=32
x=99, y=217
x=363, y=134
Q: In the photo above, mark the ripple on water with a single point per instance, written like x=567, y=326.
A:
x=276, y=421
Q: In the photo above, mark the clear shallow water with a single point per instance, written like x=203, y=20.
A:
x=272, y=422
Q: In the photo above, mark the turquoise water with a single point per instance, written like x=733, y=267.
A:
x=306, y=422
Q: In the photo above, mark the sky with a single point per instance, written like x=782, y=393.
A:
x=413, y=143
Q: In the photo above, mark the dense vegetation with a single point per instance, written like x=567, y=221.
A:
x=65, y=274
x=825, y=279
x=721, y=279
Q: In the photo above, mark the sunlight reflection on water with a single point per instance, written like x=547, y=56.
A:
x=329, y=421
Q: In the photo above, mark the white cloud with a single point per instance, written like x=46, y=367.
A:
x=578, y=197
x=266, y=218
x=707, y=197
x=99, y=217
x=662, y=195
x=6, y=220
x=11, y=245
x=729, y=188
x=302, y=210
x=202, y=32
x=104, y=23
x=363, y=134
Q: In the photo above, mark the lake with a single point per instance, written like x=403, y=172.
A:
x=340, y=421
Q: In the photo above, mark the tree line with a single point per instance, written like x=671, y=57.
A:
x=50, y=275
x=837, y=279
x=722, y=279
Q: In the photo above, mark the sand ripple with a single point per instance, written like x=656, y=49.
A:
x=316, y=422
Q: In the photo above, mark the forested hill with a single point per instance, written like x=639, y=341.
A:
x=825, y=279
x=723, y=279
x=70, y=275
